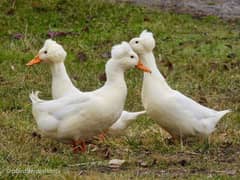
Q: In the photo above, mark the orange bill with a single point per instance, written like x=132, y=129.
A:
x=36, y=60
x=142, y=67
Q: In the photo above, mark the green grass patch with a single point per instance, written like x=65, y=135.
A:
x=200, y=57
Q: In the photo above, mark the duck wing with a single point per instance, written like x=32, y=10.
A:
x=190, y=106
x=52, y=106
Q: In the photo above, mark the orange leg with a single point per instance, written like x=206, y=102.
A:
x=102, y=137
x=76, y=147
x=83, y=147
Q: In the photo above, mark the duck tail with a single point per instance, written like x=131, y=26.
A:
x=34, y=97
x=210, y=123
x=132, y=115
x=220, y=114
x=124, y=121
x=223, y=113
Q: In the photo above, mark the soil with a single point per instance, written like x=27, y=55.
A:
x=226, y=9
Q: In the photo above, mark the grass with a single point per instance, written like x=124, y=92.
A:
x=200, y=57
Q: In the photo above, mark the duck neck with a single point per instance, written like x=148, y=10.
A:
x=149, y=61
x=115, y=76
x=61, y=82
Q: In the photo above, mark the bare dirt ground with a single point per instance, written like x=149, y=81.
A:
x=226, y=9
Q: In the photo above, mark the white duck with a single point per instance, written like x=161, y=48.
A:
x=175, y=112
x=54, y=54
x=77, y=117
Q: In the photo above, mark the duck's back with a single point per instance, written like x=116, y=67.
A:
x=83, y=121
x=175, y=112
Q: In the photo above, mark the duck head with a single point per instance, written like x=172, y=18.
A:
x=145, y=43
x=51, y=52
x=126, y=58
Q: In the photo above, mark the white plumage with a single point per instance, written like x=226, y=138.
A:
x=119, y=127
x=173, y=111
x=63, y=86
x=80, y=116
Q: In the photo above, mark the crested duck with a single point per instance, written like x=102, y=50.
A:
x=54, y=54
x=173, y=111
x=75, y=118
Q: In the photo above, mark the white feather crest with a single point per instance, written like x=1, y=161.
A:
x=119, y=50
x=146, y=34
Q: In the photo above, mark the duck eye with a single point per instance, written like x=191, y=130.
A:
x=132, y=57
x=136, y=42
x=45, y=52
